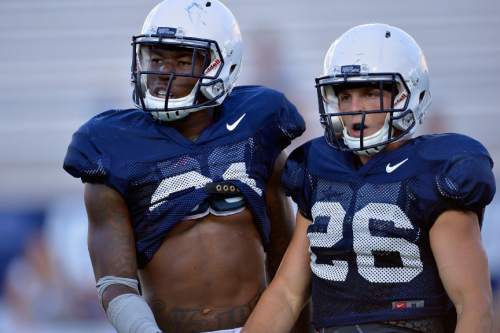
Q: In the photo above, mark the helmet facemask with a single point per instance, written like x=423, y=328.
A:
x=373, y=54
x=175, y=75
x=346, y=133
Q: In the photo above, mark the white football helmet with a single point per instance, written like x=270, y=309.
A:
x=374, y=54
x=203, y=26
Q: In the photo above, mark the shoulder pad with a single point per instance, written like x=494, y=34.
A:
x=464, y=174
x=266, y=105
x=446, y=146
x=295, y=179
x=88, y=156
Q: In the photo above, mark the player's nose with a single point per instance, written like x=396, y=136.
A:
x=167, y=66
x=357, y=103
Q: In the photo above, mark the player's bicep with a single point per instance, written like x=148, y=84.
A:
x=110, y=235
x=461, y=260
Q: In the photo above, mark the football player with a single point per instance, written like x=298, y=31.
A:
x=388, y=226
x=183, y=193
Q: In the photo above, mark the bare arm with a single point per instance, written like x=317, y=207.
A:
x=456, y=244
x=110, y=238
x=282, y=227
x=283, y=300
x=280, y=214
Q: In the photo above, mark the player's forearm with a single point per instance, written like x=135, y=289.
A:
x=275, y=313
x=126, y=310
x=282, y=302
x=114, y=291
x=475, y=316
x=119, y=295
x=107, y=260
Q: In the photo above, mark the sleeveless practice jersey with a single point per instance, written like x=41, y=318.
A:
x=370, y=252
x=164, y=176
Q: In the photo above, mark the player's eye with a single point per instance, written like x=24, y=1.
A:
x=374, y=93
x=183, y=63
x=344, y=98
x=156, y=60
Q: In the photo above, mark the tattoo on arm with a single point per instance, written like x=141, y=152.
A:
x=110, y=238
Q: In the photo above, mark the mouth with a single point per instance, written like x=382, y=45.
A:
x=161, y=92
x=356, y=128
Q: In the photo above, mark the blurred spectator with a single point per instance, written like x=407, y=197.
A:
x=51, y=281
x=32, y=285
x=15, y=229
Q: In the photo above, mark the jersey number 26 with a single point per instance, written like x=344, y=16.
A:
x=365, y=244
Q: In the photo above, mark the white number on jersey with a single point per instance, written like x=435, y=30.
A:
x=170, y=185
x=364, y=243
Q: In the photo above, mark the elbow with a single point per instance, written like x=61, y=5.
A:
x=479, y=305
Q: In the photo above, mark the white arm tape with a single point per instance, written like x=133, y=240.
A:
x=129, y=313
x=109, y=280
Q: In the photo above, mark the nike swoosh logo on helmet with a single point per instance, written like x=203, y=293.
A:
x=390, y=168
x=231, y=127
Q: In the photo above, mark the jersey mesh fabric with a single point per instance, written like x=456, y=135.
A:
x=162, y=175
x=370, y=252
x=181, y=188
x=381, y=257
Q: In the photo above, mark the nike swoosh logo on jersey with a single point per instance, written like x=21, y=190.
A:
x=231, y=127
x=390, y=168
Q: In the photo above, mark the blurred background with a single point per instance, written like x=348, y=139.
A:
x=62, y=62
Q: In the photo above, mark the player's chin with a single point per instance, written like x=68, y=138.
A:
x=356, y=129
x=160, y=92
x=357, y=133
x=182, y=90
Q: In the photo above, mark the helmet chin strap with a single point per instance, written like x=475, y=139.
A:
x=379, y=136
x=153, y=102
x=369, y=152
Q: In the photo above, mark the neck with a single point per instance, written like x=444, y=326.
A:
x=390, y=147
x=195, y=123
x=364, y=159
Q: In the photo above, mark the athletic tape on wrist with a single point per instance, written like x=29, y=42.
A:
x=110, y=280
x=129, y=313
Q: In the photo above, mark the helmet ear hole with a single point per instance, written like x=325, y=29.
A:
x=329, y=94
x=396, y=88
x=233, y=67
x=422, y=95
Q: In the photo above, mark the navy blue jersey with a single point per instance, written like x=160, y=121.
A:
x=164, y=176
x=370, y=252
